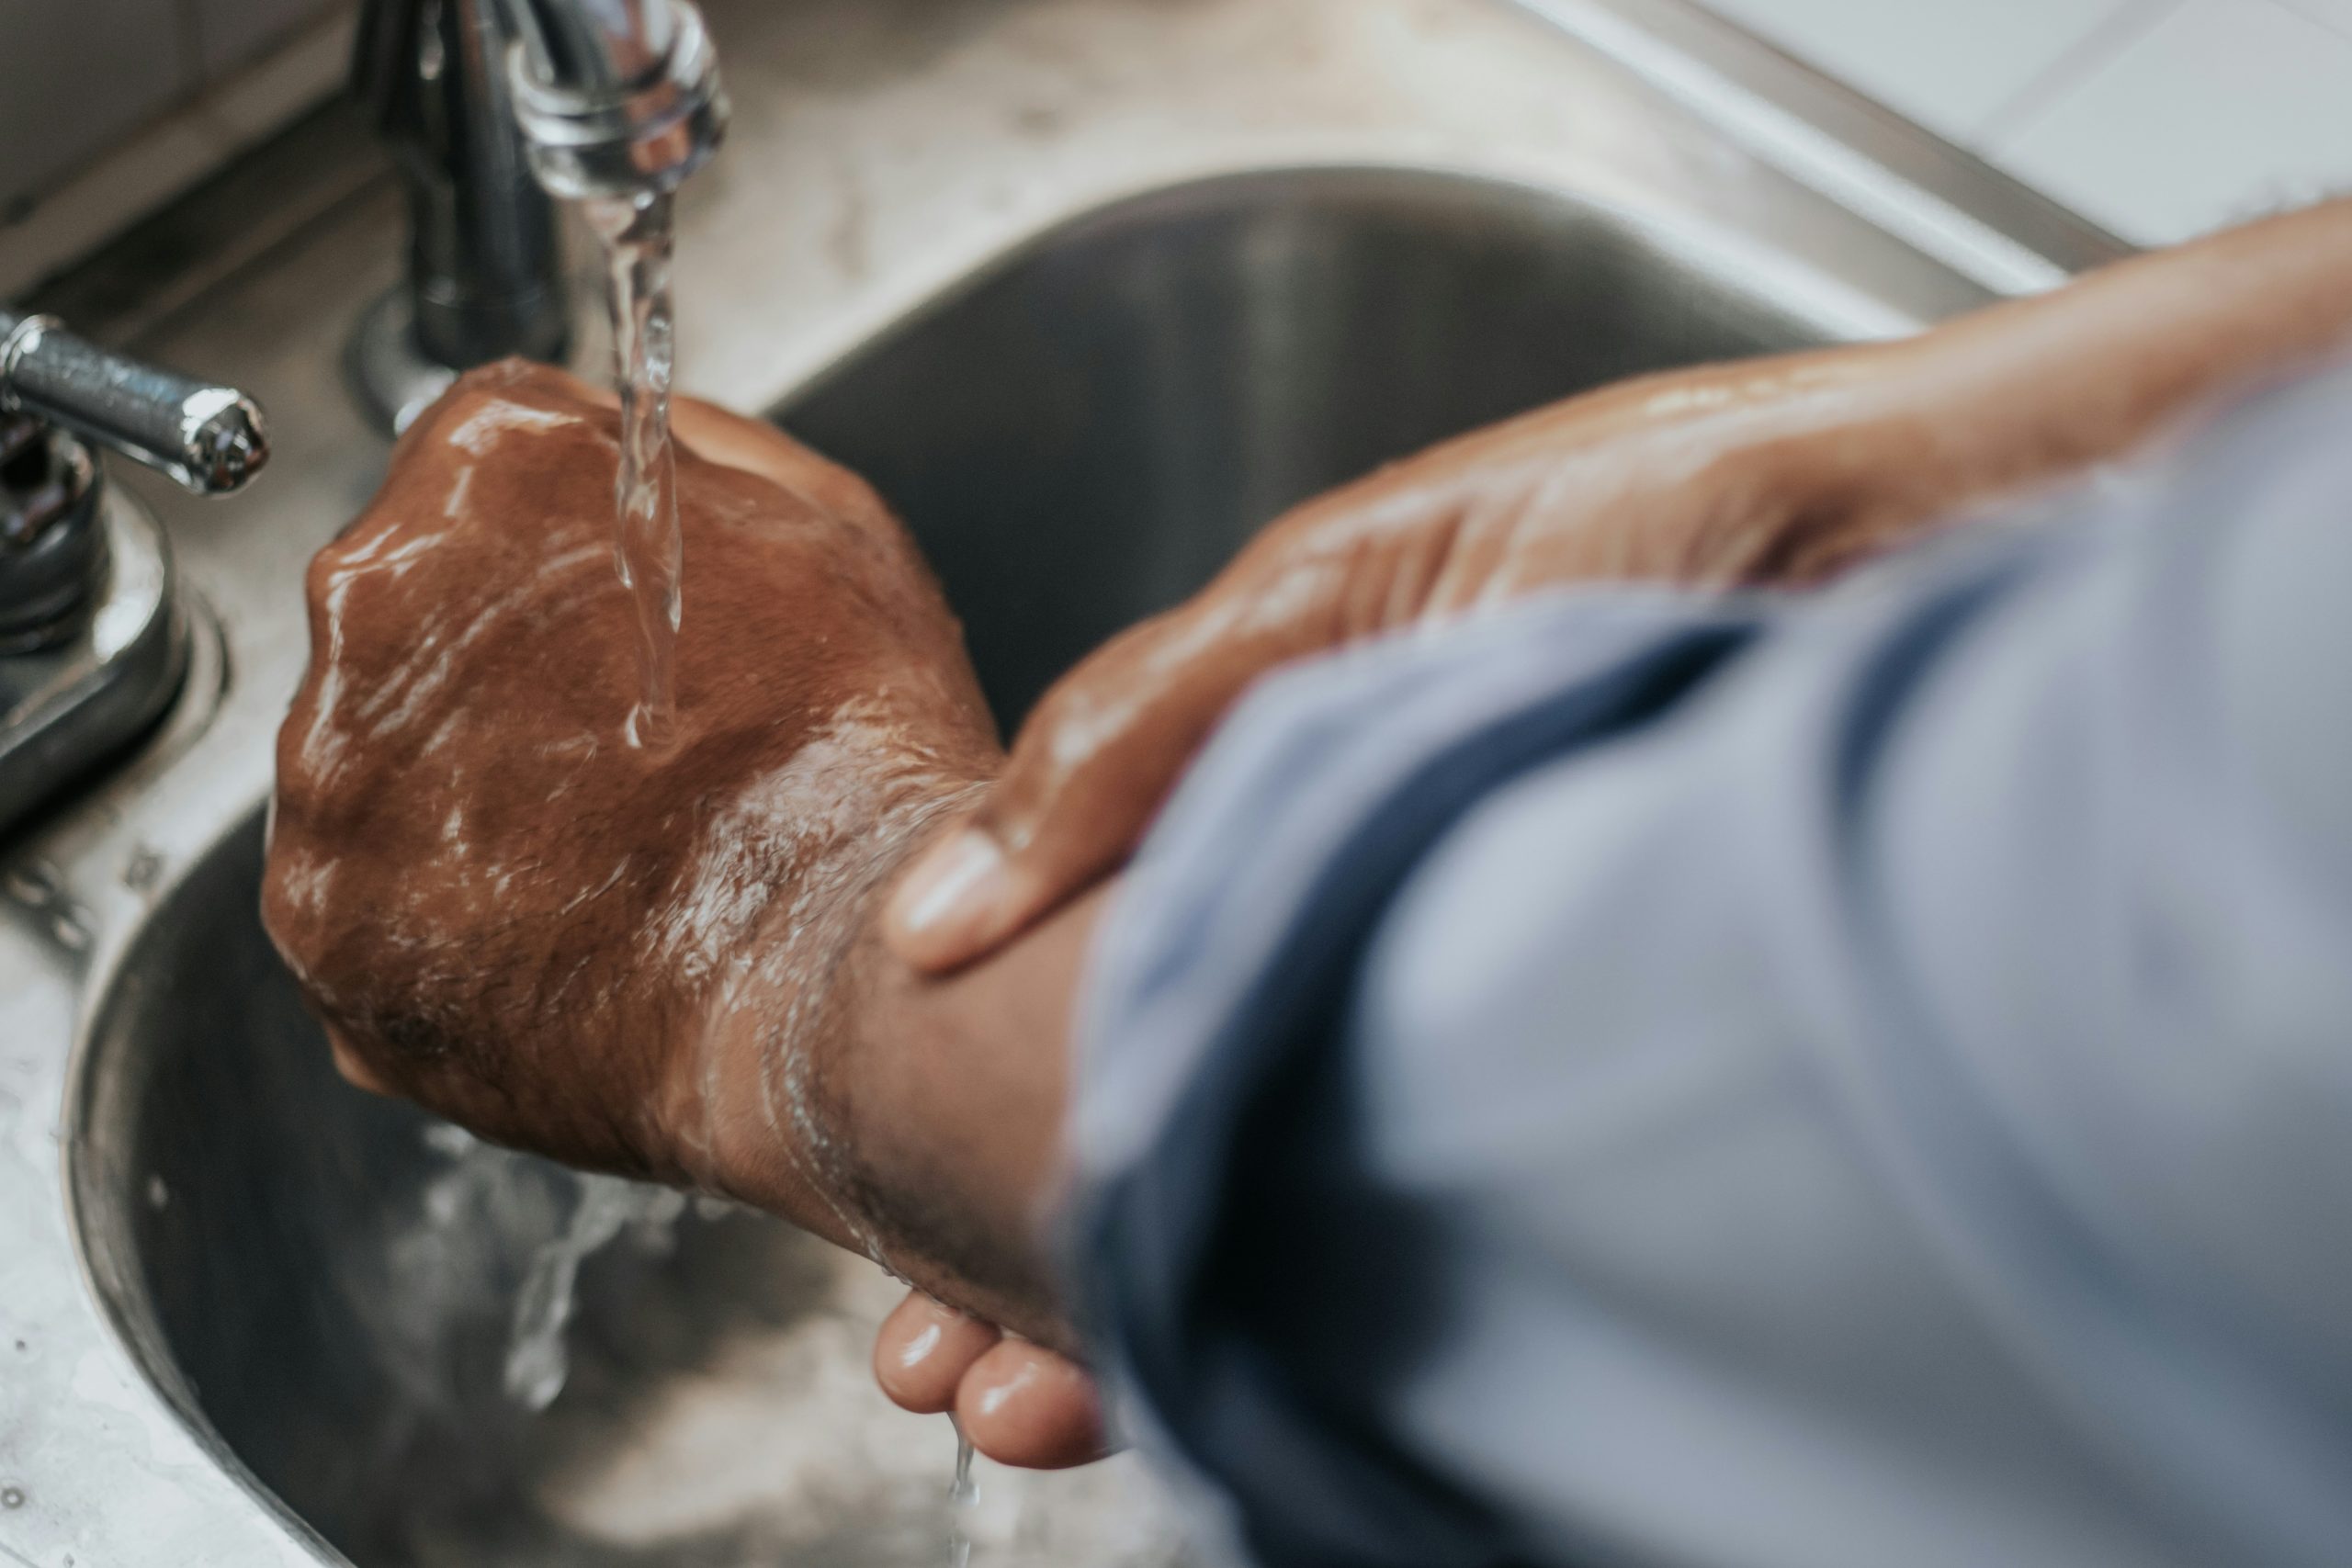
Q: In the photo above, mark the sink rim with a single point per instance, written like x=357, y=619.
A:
x=1774, y=273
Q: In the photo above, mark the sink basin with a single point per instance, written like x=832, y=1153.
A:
x=1082, y=435
x=323, y=1285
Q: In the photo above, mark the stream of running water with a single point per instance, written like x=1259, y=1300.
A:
x=646, y=547
x=963, y=1494
x=647, y=550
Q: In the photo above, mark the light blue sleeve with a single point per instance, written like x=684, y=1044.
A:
x=1865, y=1081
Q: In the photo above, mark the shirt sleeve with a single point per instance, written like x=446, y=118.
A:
x=1850, y=1081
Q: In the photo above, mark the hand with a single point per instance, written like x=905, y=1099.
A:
x=1777, y=472
x=620, y=958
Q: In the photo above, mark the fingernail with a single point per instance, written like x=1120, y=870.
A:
x=958, y=876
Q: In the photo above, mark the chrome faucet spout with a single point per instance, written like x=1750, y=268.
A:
x=615, y=97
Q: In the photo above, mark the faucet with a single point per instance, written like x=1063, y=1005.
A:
x=93, y=639
x=494, y=110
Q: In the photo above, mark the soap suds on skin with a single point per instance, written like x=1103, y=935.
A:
x=820, y=823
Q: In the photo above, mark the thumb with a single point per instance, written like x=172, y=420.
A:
x=1087, y=774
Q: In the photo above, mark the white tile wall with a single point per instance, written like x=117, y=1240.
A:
x=2337, y=14
x=168, y=154
x=78, y=75
x=1949, y=64
x=80, y=79
x=2223, y=109
x=2157, y=118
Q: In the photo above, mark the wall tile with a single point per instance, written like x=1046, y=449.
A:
x=2337, y=14
x=169, y=154
x=1949, y=65
x=231, y=32
x=81, y=75
x=2223, y=109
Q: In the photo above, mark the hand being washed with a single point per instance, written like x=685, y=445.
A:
x=662, y=961
x=621, y=958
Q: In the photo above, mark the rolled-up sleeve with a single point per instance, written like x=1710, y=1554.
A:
x=1864, y=1080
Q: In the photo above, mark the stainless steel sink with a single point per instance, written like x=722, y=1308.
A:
x=1079, y=438
x=1091, y=288
x=327, y=1285
x=1084, y=434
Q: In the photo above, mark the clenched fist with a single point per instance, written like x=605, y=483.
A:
x=622, y=958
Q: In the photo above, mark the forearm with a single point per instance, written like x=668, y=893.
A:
x=2027, y=390
x=1783, y=471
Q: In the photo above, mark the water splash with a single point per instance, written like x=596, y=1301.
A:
x=489, y=1191
x=538, y=1355
x=647, y=548
x=963, y=1495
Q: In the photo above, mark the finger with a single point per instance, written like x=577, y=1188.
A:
x=355, y=1067
x=922, y=1350
x=1022, y=1404
x=960, y=899
x=1086, y=776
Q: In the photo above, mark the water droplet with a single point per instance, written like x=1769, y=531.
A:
x=32, y=885
x=158, y=1195
x=71, y=928
x=538, y=1356
x=143, y=870
x=12, y=1496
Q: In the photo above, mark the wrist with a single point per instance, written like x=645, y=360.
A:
x=757, y=1055
x=913, y=1118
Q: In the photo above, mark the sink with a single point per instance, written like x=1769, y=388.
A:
x=1084, y=434
x=322, y=1284
x=327, y=1283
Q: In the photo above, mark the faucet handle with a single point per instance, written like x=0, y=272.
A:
x=211, y=439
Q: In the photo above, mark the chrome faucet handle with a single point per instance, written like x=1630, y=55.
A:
x=211, y=439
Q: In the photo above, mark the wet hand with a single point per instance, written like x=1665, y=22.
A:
x=501, y=909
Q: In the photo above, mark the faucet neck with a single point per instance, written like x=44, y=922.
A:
x=485, y=266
